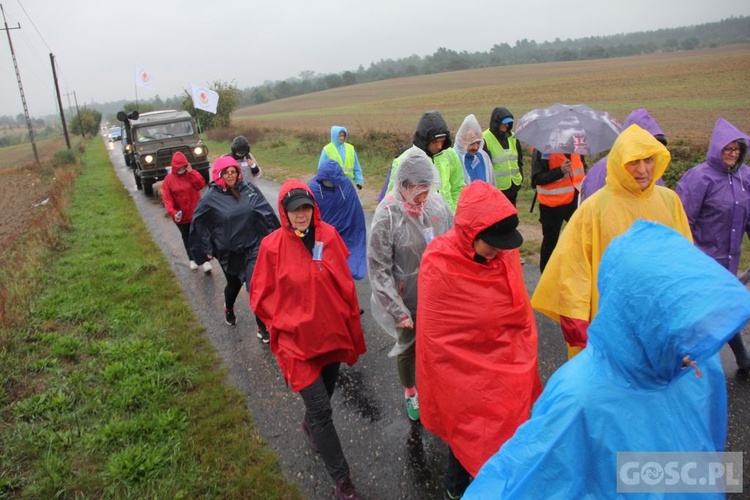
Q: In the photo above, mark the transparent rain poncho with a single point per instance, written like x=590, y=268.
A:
x=468, y=133
x=400, y=231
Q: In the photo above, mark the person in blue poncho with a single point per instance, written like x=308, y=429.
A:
x=341, y=208
x=344, y=154
x=649, y=379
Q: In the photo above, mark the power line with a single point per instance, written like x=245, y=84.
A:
x=34, y=25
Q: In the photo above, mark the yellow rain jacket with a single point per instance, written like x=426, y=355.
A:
x=568, y=286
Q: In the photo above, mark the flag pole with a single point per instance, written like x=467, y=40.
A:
x=136, y=96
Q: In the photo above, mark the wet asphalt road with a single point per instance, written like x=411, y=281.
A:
x=389, y=456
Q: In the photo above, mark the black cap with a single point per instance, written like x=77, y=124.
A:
x=503, y=234
x=296, y=198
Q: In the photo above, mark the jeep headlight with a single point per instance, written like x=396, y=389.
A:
x=199, y=151
x=148, y=158
x=128, y=148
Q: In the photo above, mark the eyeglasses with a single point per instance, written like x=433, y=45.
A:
x=229, y=172
x=730, y=151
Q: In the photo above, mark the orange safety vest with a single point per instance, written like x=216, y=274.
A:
x=563, y=191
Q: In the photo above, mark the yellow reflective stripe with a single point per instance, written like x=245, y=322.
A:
x=501, y=159
x=512, y=171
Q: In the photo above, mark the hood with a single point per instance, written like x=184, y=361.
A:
x=634, y=143
x=479, y=206
x=283, y=190
x=498, y=115
x=643, y=119
x=416, y=169
x=179, y=160
x=468, y=132
x=430, y=125
x=724, y=133
x=335, y=131
x=662, y=299
x=221, y=164
x=241, y=144
x=330, y=170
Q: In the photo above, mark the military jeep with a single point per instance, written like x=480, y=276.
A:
x=154, y=137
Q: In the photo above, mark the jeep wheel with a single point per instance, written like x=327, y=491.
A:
x=148, y=188
x=137, y=178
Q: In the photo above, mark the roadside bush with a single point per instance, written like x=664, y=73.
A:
x=311, y=142
x=226, y=134
x=685, y=155
x=64, y=157
x=87, y=120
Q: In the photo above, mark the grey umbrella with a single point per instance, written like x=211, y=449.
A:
x=572, y=129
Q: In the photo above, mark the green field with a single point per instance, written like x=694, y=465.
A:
x=685, y=92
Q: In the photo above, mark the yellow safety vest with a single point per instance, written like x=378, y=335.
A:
x=333, y=153
x=504, y=161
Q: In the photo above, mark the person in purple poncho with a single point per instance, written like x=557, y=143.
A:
x=596, y=175
x=716, y=197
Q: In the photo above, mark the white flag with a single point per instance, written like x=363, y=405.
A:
x=205, y=99
x=143, y=77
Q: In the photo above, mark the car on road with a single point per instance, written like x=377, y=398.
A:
x=114, y=134
x=152, y=140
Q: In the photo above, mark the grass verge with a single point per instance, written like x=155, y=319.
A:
x=109, y=386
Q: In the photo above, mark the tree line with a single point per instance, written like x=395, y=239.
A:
x=729, y=31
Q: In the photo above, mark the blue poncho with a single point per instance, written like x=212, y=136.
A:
x=341, y=208
x=661, y=299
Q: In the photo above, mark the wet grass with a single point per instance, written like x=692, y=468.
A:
x=109, y=385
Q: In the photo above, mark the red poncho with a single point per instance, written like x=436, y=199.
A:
x=310, y=307
x=476, y=336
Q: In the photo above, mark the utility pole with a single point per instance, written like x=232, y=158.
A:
x=20, y=87
x=80, y=122
x=59, y=100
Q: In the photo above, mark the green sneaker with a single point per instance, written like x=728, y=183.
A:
x=412, y=407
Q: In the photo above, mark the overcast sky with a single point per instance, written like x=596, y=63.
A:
x=99, y=44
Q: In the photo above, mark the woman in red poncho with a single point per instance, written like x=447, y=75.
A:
x=303, y=290
x=477, y=357
x=181, y=190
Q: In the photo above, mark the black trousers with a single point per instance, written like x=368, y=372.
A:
x=511, y=193
x=457, y=478
x=740, y=352
x=185, y=233
x=319, y=416
x=552, y=219
x=231, y=291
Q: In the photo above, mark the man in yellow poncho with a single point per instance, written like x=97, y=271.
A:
x=567, y=291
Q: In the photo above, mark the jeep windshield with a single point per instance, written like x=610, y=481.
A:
x=159, y=132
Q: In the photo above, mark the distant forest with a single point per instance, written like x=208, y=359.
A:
x=729, y=31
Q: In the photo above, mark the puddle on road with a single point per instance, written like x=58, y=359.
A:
x=353, y=389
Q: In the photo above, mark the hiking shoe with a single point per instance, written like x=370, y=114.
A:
x=207, y=267
x=308, y=434
x=193, y=265
x=263, y=336
x=412, y=407
x=345, y=490
x=229, y=316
